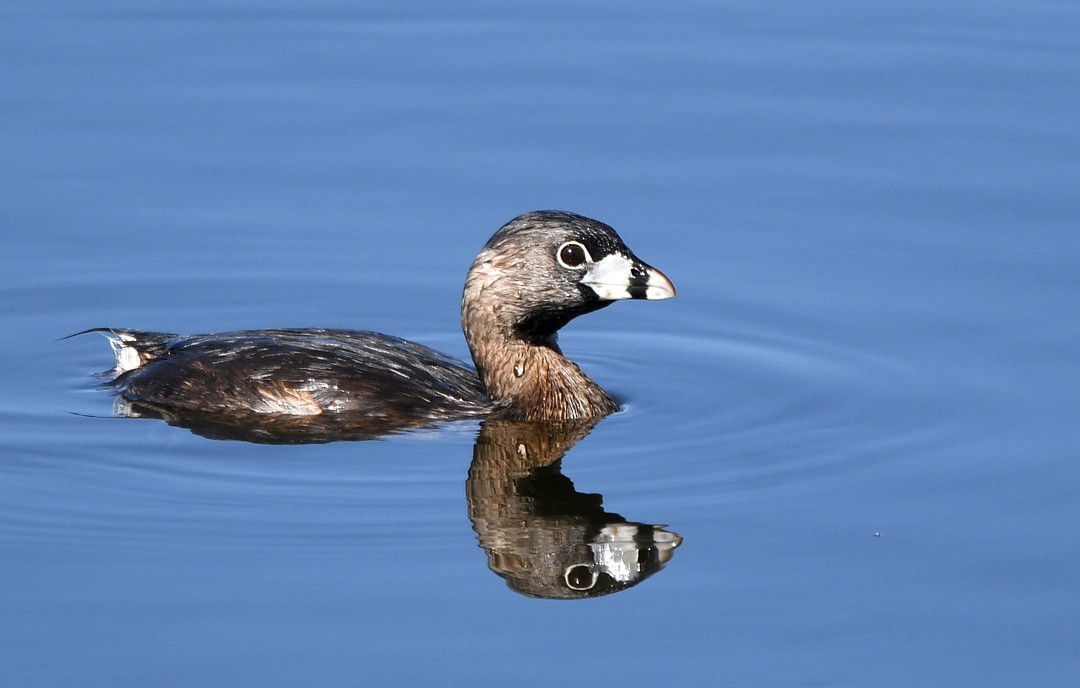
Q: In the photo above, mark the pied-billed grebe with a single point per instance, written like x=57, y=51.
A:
x=540, y=534
x=535, y=274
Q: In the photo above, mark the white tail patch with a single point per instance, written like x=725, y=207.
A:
x=127, y=357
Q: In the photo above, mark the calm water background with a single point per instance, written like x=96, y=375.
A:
x=860, y=412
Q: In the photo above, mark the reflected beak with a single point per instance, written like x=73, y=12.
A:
x=619, y=277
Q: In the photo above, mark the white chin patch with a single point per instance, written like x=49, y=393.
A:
x=610, y=277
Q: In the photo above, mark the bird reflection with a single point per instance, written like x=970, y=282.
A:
x=540, y=534
x=268, y=428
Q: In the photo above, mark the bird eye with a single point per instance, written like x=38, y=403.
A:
x=579, y=577
x=572, y=255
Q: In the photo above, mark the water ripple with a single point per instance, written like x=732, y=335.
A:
x=731, y=408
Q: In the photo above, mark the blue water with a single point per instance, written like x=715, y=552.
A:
x=860, y=413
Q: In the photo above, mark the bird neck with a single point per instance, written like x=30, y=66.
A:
x=532, y=380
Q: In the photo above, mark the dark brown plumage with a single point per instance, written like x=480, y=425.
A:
x=534, y=275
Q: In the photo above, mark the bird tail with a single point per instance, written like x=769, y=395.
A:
x=132, y=348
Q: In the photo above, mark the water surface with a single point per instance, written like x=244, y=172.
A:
x=859, y=414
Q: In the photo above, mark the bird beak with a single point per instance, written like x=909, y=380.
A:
x=617, y=276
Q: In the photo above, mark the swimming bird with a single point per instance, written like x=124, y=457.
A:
x=536, y=273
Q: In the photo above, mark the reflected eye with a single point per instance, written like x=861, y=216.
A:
x=579, y=577
x=572, y=254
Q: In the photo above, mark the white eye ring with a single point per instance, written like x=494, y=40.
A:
x=573, y=255
x=573, y=580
